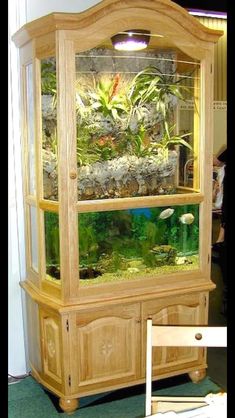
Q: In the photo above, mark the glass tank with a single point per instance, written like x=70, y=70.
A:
x=135, y=122
x=52, y=246
x=129, y=244
x=49, y=128
x=31, y=189
x=128, y=124
x=33, y=237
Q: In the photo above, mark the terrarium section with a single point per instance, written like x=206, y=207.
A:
x=129, y=139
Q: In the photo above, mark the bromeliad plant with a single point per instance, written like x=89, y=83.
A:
x=107, y=100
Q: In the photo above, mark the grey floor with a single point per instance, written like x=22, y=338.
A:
x=217, y=357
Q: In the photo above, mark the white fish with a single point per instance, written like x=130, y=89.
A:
x=166, y=213
x=132, y=269
x=180, y=260
x=186, y=218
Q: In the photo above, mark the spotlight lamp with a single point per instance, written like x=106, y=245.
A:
x=131, y=40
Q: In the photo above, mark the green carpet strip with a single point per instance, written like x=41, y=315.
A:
x=28, y=399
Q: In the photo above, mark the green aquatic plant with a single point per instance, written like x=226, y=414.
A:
x=164, y=255
x=88, y=246
x=111, y=263
x=52, y=239
x=147, y=255
x=172, y=235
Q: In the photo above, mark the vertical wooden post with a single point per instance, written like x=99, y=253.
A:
x=67, y=165
x=206, y=152
x=196, y=134
x=39, y=170
x=148, y=408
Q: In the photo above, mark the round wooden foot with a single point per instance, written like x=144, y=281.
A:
x=68, y=405
x=197, y=375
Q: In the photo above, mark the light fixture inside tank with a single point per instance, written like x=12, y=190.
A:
x=131, y=40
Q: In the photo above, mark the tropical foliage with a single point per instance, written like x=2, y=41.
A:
x=48, y=78
x=114, y=118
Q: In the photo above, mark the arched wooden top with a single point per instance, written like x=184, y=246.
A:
x=124, y=12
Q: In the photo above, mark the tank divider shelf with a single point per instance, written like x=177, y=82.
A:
x=138, y=202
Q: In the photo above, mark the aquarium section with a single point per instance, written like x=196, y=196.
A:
x=33, y=237
x=49, y=128
x=137, y=243
x=52, y=246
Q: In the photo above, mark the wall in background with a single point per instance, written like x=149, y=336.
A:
x=16, y=240
x=37, y=8
x=220, y=126
x=220, y=70
x=220, y=83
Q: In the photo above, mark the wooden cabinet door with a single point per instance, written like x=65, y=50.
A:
x=106, y=347
x=51, y=342
x=178, y=310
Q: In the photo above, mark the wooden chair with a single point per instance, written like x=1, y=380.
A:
x=178, y=336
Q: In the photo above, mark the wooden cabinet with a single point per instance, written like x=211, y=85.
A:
x=114, y=233
x=51, y=347
x=79, y=351
x=105, y=349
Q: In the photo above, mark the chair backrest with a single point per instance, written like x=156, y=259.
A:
x=178, y=336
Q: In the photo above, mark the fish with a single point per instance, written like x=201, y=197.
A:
x=166, y=213
x=186, y=218
x=180, y=260
x=132, y=269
